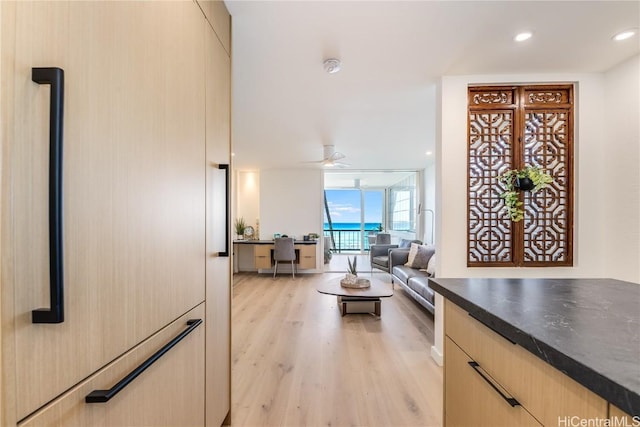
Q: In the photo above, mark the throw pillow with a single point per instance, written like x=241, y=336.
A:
x=413, y=251
x=419, y=256
x=404, y=243
x=431, y=266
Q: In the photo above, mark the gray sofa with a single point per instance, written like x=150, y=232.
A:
x=414, y=281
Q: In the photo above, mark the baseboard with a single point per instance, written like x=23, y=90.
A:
x=437, y=356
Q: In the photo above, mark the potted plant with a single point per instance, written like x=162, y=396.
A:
x=353, y=267
x=529, y=178
x=351, y=278
x=240, y=226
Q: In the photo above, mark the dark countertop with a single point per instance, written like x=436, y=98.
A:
x=271, y=242
x=587, y=328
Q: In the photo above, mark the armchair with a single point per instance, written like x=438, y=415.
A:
x=379, y=254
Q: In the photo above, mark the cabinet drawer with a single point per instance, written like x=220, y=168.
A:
x=307, y=262
x=307, y=256
x=262, y=256
x=471, y=401
x=169, y=392
x=544, y=391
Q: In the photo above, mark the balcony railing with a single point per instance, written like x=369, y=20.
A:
x=348, y=240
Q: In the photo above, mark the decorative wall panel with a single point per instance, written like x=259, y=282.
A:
x=510, y=127
x=490, y=149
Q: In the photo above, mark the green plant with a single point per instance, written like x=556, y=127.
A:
x=379, y=228
x=512, y=202
x=240, y=226
x=353, y=267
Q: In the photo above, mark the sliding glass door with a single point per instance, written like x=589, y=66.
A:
x=350, y=215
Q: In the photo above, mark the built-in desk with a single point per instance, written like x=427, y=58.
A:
x=262, y=257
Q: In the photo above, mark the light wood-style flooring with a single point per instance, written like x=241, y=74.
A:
x=297, y=362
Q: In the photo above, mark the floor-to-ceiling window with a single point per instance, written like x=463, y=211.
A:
x=402, y=205
x=350, y=215
x=359, y=204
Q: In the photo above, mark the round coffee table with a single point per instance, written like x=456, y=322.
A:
x=351, y=300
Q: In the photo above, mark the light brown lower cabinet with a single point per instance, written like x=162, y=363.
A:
x=472, y=401
x=170, y=392
x=545, y=395
x=262, y=256
x=620, y=418
x=307, y=256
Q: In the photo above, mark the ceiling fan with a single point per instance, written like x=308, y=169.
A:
x=332, y=158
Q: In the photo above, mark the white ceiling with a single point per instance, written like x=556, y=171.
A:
x=364, y=179
x=380, y=109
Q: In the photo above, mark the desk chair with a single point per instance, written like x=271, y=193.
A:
x=284, y=251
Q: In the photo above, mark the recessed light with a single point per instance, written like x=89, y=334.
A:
x=627, y=34
x=523, y=36
x=428, y=153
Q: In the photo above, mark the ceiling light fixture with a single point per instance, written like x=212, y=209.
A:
x=331, y=65
x=523, y=36
x=627, y=34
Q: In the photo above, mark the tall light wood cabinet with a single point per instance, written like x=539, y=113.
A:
x=137, y=133
x=218, y=270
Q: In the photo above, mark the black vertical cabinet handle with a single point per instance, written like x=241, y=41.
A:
x=510, y=400
x=102, y=396
x=227, y=212
x=55, y=78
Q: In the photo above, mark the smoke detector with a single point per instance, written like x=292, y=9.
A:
x=331, y=65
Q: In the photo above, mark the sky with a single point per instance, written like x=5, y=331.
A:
x=344, y=205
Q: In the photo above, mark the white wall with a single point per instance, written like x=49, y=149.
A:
x=606, y=242
x=246, y=204
x=247, y=201
x=291, y=202
x=622, y=177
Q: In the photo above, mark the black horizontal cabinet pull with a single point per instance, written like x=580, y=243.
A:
x=510, y=400
x=101, y=396
x=55, y=78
